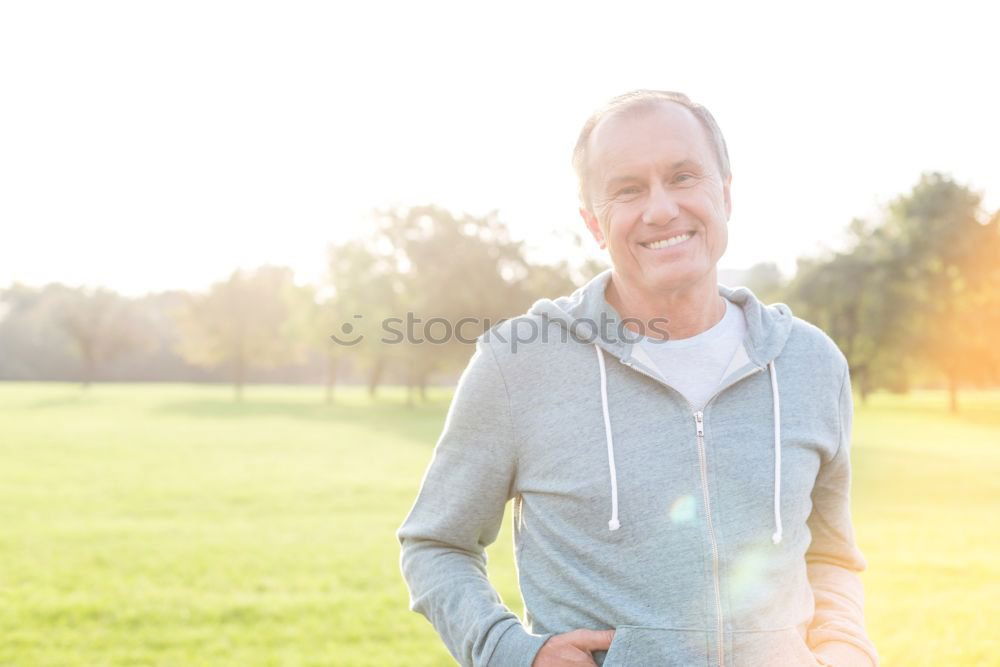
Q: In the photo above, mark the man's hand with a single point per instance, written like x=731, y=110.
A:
x=572, y=649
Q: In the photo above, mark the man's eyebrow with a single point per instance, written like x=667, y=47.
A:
x=686, y=162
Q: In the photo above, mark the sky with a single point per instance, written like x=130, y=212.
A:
x=147, y=146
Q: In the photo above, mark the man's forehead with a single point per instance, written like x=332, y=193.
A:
x=666, y=129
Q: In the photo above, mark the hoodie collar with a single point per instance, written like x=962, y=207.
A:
x=768, y=326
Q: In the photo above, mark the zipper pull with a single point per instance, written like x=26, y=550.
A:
x=699, y=424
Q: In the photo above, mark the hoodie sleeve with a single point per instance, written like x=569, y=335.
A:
x=837, y=633
x=457, y=514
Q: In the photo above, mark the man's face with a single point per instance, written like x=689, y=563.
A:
x=653, y=179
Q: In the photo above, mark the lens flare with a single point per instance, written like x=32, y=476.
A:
x=683, y=509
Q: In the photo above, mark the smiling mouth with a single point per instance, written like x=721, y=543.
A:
x=668, y=242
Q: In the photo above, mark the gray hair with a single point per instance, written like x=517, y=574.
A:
x=637, y=100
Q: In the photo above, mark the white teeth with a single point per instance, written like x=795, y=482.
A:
x=666, y=243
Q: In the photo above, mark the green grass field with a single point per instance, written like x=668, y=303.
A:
x=167, y=525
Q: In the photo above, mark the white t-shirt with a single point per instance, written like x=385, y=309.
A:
x=696, y=365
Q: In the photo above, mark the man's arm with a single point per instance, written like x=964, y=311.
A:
x=457, y=514
x=837, y=634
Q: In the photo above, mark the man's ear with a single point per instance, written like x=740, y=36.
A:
x=594, y=226
x=728, y=197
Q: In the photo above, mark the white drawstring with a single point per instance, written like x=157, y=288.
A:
x=613, y=524
x=776, y=537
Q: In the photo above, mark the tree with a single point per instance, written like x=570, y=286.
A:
x=449, y=268
x=362, y=288
x=950, y=259
x=424, y=272
x=851, y=295
x=917, y=290
x=244, y=322
x=60, y=332
x=102, y=326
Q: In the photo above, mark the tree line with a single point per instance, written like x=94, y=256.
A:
x=259, y=325
x=912, y=299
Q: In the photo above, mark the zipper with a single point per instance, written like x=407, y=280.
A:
x=700, y=432
x=699, y=420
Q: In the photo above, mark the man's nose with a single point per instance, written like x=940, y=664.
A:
x=661, y=207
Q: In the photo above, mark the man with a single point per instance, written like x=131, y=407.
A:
x=688, y=505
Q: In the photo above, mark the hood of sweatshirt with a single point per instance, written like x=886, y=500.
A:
x=768, y=326
x=588, y=317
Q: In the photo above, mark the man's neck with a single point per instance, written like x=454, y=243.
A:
x=689, y=310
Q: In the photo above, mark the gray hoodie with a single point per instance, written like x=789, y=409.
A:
x=719, y=536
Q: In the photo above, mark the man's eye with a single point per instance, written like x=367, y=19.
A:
x=630, y=190
x=681, y=178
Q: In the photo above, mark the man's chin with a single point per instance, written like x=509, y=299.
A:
x=671, y=277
